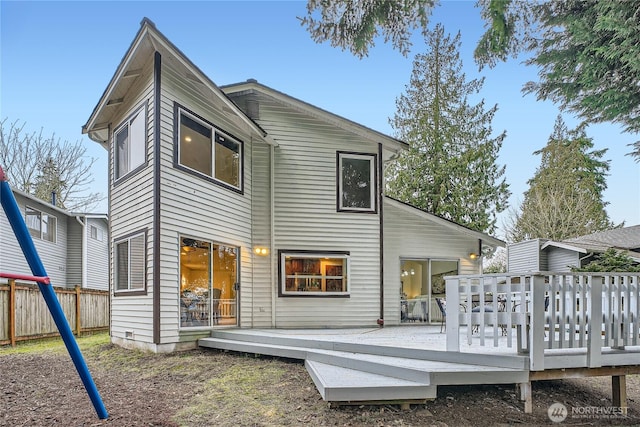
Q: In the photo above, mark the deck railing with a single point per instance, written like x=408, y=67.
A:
x=591, y=312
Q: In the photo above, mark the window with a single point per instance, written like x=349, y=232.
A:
x=130, y=144
x=97, y=233
x=209, y=151
x=356, y=182
x=314, y=274
x=130, y=263
x=41, y=225
x=208, y=283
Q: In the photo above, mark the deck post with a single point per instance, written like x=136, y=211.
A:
x=526, y=396
x=536, y=344
x=453, y=319
x=619, y=391
x=594, y=339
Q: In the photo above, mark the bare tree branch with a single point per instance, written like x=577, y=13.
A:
x=25, y=156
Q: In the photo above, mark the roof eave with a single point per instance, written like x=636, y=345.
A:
x=447, y=223
x=388, y=142
x=148, y=29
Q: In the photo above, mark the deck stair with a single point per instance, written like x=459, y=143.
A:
x=358, y=372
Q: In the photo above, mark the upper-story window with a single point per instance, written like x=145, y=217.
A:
x=97, y=233
x=356, y=182
x=41, y=225
x=130, y=144
x=209, y=151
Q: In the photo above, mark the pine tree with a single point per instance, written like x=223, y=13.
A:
x=49, y=181
x=565, y=196
x=450, y=168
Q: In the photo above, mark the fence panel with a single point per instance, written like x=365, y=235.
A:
x=4, y=313
x=94, y=310
x=26, y=315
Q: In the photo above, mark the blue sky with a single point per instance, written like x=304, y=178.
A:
x=58, y=57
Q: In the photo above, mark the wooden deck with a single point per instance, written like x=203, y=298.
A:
x=515, y=338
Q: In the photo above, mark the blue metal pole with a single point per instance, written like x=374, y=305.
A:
x=19, y=227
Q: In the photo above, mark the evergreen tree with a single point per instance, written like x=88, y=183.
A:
x=450, y=168
x=610, y=260
x=587, y=51
x=49, y=181
x=565, y=197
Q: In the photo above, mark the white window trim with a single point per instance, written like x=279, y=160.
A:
x=99, y=233
x=372, y=176
x=139, y=112
x=115, y=264
x=40, y=212
x=214, y=130
x=313, y=255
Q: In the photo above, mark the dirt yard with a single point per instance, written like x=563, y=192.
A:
x=40, y=387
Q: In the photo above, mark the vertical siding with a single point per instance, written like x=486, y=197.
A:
x=52, y=254
x=194, y=206
x=408, y=235
x=97, y=255
x=74, y=252
x=131, y=210
x=525, y=256
x=306, y=219
x=560, y=260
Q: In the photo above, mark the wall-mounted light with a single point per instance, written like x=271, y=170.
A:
x=261, y=251
x=473, y=255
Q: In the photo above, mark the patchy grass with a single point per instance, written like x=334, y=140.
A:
x=55, y=345
x=206, y=387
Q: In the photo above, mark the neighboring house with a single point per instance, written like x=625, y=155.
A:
x=74, y=247
x=241, y=206
x=547, y=255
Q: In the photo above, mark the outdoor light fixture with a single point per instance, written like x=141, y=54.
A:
x=473, y=255
x=261, y=251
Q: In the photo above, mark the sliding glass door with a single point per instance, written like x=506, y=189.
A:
x=208, y=283
x=421, y=282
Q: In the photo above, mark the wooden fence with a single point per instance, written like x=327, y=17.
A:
x=24, y=315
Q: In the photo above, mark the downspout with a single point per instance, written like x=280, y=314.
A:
x=272, y=236
x=83, y=260
x=381, y=217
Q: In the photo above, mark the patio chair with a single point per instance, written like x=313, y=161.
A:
x=442, y=306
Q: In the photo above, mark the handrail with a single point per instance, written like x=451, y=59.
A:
x=588, y=311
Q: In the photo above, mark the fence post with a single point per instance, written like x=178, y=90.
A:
x=536, y=344
x=12, y=312
x=78, y=311
x=594, y=339
x=452, y=320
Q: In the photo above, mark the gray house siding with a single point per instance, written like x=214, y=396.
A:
x=263, y=279
x=193, y=206
x=131, y=210
x=526, y=256
x=52, y=254
x=409, y=235
x=561, y=260
x=74, y=252
x=306, y=219
x=97, y=268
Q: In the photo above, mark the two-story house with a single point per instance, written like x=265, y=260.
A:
x=241, y=206
x=73, y=246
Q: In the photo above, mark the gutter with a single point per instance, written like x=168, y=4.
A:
x=83, y=260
